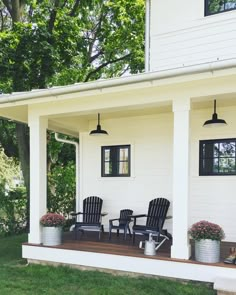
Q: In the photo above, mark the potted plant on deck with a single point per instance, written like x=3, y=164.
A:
x=52, y=228
x=207, y=238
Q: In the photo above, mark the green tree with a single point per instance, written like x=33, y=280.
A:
x=9, y=169
x=12, y=200
x=58, y=42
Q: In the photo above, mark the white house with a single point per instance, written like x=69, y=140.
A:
x=190, y=62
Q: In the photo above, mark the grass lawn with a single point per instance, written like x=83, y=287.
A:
x=17, y=278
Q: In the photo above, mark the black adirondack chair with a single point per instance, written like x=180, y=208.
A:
x=121, y=223
x=155, y=219
x=92, y=215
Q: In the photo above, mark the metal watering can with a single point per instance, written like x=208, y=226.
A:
x=149, y=247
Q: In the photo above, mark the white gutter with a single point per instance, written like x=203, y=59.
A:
x=147, y=35
x=78, y=201
x=100, y=84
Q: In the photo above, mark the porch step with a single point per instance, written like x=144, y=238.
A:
x=225, y=286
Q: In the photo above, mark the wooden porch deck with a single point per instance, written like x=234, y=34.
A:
x=89, y=242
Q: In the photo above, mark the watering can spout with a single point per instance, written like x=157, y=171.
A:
x=150, y=246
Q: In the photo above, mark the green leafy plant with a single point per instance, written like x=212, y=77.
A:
x=12, y=212
x=206, y=230
x=12, y=199
x=61, y=188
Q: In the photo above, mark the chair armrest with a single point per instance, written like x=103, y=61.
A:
x=111, y=221
x=137, y=216
x=114, y=219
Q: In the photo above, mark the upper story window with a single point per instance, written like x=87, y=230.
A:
x=217, y=6
x=116, y=161
x=217, y=157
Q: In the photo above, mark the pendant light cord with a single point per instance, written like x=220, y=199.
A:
x=214, y=106
x=98, y=118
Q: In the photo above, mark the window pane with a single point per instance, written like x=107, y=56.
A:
x=215, y=166
x=227, y=149
x=124, y=154
x=123, y=168
x=230, y=4
x=226, y=165
x=108, y=168
x=216, y=6
x=216, y=150
x=218, y=157
x=107, y=154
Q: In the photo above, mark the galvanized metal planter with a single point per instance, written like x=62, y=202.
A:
x=52, y=236
x=207, y=251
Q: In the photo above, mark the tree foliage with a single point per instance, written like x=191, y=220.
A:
x=61, y=176
x=59, y=42
x=61, y=189
x=9, y=169
x=8, y=138
x=12, y=200
x=13, y=214
x=63, y=42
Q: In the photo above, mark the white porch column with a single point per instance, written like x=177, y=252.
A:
x=38, y=175
x=181, y=248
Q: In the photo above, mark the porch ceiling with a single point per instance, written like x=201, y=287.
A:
x=77, y=122
x=205, y=102
x=74, y=122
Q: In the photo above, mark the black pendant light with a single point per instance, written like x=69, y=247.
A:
x=214, y=122
x=99, y=130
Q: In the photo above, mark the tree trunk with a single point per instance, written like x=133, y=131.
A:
x=22, y=135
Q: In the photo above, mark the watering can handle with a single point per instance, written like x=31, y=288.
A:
x=141, y=245
x=150, y=237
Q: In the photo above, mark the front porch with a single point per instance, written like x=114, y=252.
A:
x=159, y=116
x=118, y=255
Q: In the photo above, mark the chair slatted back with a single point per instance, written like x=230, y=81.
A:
x=157, y=209
x=92, y=207
x=124, y=216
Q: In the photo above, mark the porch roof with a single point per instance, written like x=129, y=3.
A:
x=67, y=107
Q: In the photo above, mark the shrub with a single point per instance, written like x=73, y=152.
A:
x=13, y=211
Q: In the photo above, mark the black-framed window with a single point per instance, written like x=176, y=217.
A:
x=217, y=157
x=218, y=6
x=116, y=161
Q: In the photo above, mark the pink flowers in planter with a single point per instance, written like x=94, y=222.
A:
x=206, y=230
x=52, y=220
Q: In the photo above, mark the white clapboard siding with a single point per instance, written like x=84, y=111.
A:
x=212, y=198
x=151, y=137
x=203, y=43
